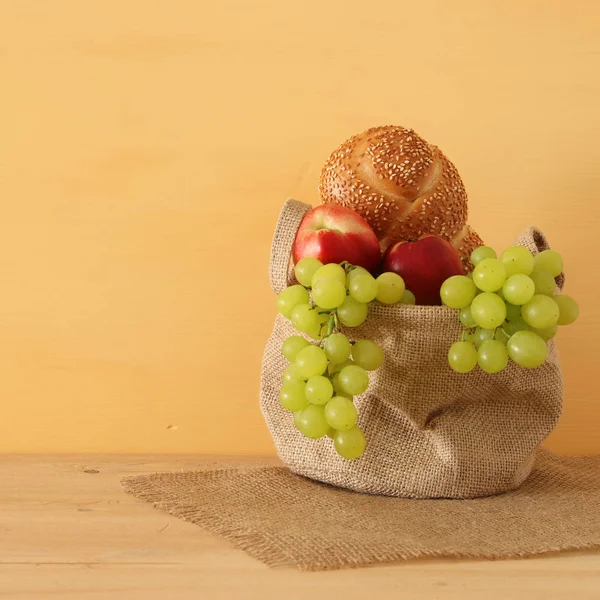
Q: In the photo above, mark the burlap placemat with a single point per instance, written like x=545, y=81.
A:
x=284, y=519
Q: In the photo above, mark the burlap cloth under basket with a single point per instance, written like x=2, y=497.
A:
x=431, y=433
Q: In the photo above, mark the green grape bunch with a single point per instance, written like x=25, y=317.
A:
x=325, y=374
x=509, y=309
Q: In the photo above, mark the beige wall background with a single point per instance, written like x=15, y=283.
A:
x=146, y=149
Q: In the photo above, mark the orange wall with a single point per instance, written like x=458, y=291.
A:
x=146, y=148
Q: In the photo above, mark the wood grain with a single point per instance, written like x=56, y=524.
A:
x=67, y=531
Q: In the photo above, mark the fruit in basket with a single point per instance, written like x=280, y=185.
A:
x=424, y=265
x=311, y=421
x=458, y=291
x=517, y=259
x=514, y=313
x=367, y=354
x=341, y=414
x=492, y=356
x=290, y=298
x=489, y=275
x=337, y=348
x=518, y=289
x=321, y=380
x=351, y=443
x=462, y=357
x=390, y=288
x=549, y=260
x=352, y=313
x=488, y=310
x=402, y=185
x=568, y=309
x=540, y=312
x=354, y=380
x=527, y=349
x=481, y=253
x=334, y=234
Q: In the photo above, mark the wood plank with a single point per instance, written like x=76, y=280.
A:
x=67, y=531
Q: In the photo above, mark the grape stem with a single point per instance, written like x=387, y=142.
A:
x=330, y=324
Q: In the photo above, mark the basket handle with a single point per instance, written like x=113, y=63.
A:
x=533, y=239
x=289, y=220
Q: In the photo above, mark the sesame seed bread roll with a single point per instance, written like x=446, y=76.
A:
x=402, y=185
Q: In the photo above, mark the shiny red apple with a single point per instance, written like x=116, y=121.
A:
x=424, y=265
x=334, y=234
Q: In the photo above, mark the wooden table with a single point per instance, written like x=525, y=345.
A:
x=67, y=531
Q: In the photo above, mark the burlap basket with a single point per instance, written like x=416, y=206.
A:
x=431, y=433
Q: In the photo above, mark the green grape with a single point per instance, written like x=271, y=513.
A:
x=458, y=291
x=290, y=298
x=515, y=325
x=318, y=390
x=353, y=380
x=304, y=318
x=337, y=348
x=305, y=269
x=482, y=253
x=350, y=444
x=297, y=416
x=341, y=413
x=292, y=345
x=512, y=311
x=527, y=349
x=568, y=308
x=466, y=318
x=367, y=354
x=311, y=422
x=337, y=388
x=318, y=330
x=501, y=336
x=518, y=289
x=488, y=310
x=467, y=336
x=292, y=373
x=363, y=287
x=337, y=367
x=541, y=311
x=390, y=288
x=311, y=361
x=408, y=298
x=330, y=270
x=483, y=335
x=517, y=259
x=324, y=317
x=543, y=281
x=315, y=332
x=462, y=357
x=355, y=272
x=328, y=292
x=549, y=260
x=489, y=275
x=352, y=313
x=331, y=433
x=292, y=396
x=547, y=333
x=492, y=356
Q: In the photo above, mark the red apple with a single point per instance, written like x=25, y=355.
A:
x=333, y=234
x=424, y=265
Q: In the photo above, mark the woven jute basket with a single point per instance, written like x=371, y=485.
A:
x=431, y=432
